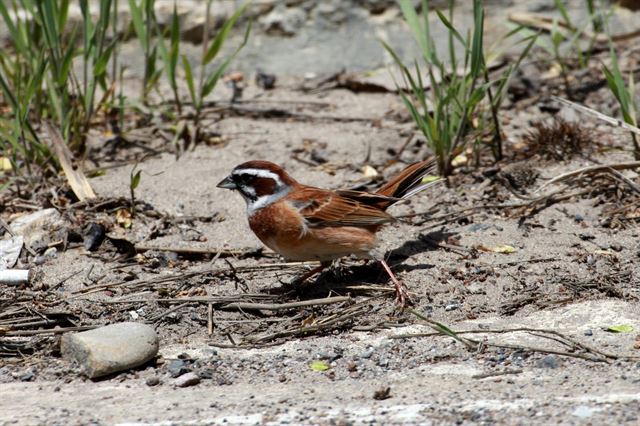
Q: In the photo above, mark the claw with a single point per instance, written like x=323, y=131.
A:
x=402, y=292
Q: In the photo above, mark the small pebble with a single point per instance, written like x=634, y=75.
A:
x=479, y=227
x=367, y=353
x=177, y=367
x=153, y=381
x=452, y=307
x=588, y=332
x=51, y=253
x=549, y=361
x=93, y=236
x=582, y=411
x=265, y=80
x=27, y=376
x=188, y=379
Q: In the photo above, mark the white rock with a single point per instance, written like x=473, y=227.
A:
x=110, y=349
x=187, y=379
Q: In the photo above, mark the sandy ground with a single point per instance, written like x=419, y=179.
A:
x=569, y=272
x=435, y=383
x=431, y=379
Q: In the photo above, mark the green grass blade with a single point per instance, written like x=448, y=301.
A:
x=188, y=74
x=212, y=80
x=138, y=21
x=222, y=35
x=452, y=30
x=477, y=54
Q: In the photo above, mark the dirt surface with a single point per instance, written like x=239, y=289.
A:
x=530, y=283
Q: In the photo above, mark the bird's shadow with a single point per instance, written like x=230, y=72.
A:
x=342, y=278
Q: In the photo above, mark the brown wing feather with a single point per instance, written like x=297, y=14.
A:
x=326, y=208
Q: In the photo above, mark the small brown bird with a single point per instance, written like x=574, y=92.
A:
x=304, y=223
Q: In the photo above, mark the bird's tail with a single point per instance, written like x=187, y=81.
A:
x=410, y=181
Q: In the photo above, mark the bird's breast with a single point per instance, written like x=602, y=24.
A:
x=282, y=228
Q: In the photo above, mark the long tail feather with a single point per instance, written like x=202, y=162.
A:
x=409, y=181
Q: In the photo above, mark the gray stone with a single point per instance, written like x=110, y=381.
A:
x=549, y=361
x=189, y=379
x=153, y=381
x=367, y=353
x=283, y=20
x=177, y=367
x=110, y=349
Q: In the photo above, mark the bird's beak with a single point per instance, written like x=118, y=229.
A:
x=227, y=183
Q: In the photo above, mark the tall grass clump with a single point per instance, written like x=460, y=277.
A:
x=57, y=72
x=455, y=84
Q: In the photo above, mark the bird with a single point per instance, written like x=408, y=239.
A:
x=306, y=223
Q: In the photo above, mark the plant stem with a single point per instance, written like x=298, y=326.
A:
x=114, y=60
x=497, y=136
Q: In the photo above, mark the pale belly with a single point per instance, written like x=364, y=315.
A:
x=279, y=228
x=325, y=244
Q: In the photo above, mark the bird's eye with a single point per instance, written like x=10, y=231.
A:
x=244, y=178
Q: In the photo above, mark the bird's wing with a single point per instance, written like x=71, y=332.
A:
x=321, y=207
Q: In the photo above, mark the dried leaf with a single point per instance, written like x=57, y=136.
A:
x=604, y=252
x=459, y=160
x=76, y=178
x=123, y=218
x=10, y=251
x=308, y=321
x=319, y=365
x=5, y=164
x=620, y=328
x=500, y=248
x=430, y=178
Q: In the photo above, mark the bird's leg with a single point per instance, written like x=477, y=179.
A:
x=302, y=278
x=402, y=293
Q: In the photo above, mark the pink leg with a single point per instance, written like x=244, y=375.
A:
x=402, y=293
x=301, y=279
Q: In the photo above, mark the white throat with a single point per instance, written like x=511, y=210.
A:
x=265, y=200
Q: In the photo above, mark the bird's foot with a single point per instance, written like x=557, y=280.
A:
x=402, y=292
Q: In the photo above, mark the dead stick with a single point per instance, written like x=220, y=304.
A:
x=495, y=373
x=205, y=299
x=48, y=331
x=281, y=306
x=167, y=312
x=601, y=116
x=186, y=275
x=210, y=319
x=192, y=250
x=591, y=169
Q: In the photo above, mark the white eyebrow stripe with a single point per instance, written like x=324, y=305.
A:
x=258, y=172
